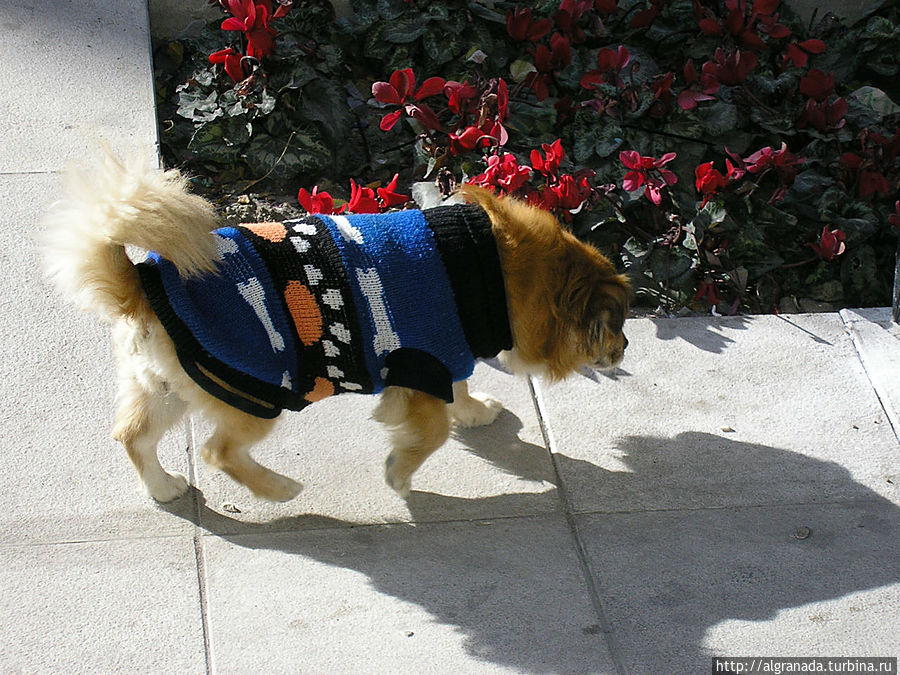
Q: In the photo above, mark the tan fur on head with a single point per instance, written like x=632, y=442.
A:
x=566, y=303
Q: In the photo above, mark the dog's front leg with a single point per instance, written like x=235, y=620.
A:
x=472, y=409
x=419, y=425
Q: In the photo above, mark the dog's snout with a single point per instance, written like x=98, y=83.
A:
x=624, y=343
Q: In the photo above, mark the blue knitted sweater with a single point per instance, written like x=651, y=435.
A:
x=307, y=308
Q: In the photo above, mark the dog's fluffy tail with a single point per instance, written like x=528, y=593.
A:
x=115, y=204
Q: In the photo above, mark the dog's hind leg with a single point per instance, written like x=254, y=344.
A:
x=419, y=425
x=141, y=419
x=228, y=449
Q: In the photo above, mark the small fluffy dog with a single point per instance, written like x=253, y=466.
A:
x=239, y=323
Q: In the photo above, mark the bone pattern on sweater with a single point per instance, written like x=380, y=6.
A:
x=307, y=308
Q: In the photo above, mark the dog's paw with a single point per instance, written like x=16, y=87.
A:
x=167, y=488
x=279, y=489
x=401, y=484
x=477, y=410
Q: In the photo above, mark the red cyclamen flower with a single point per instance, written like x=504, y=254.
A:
x=894, y=218
x=647, y=16
x=362, y=200
x=731, y=68
x=401, y=86
x=831, y=243
x=781, y=160
x=388, y=197
x=708, y=181
x=548, y=61
x=459, y=96
x=251, y=17
x=699, y=88
x=768, y=158
x=557, y=57
x=568, y=14
x=231, y=60
x=825, y=117
x=639, y=175
x=316, y=202
x=567, y=194
x=609, y=61
x=707, y=291
x=606, y=6
x=522, y=28
x=817, y=84
x=503, y=172
x=797, y=53
x=871, y=180
x=548, y=163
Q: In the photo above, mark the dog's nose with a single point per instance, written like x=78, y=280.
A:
x=624, y=343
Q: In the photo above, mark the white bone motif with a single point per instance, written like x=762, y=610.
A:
x=385, y=339
x=252, y=291
x=225, y=246
x=347, y=230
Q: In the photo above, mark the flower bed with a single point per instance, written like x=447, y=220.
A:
x=728, y=156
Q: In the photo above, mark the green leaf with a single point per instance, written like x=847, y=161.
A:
x=859, y=274
x=376, y=46
x=406, y=29
x=363, y=18
x=520, y=69
x=391, y=10
x=642, y=68
x=534, y=122
x=718, y=118
x=480, y=10
x=304, y=153
x=880, y=28
x=208, y=143
x=197, y=105
x=325, y=101
x=441, y=47
x=672, y=268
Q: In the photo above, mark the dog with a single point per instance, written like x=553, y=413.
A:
x=554, y=305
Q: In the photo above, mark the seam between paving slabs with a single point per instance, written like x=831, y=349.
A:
x=204, y=533
x=853, y=335
x=199, y=557
x=580, y=550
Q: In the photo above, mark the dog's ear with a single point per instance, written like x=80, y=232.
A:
x=591, y=292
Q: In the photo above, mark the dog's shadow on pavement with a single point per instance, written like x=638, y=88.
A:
x=768, y=530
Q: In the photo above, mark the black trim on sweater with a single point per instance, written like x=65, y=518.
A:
x=468, y=250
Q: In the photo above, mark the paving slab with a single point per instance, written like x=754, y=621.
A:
x=77, y=71
x=337, y=451
x=61, y=477
x=506, y=596
x=680, y=587
x=708, y=412
x=877, y=339
x=101, y=607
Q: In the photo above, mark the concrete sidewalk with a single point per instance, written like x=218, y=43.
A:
x=731, y=490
